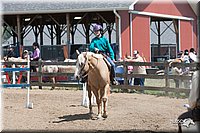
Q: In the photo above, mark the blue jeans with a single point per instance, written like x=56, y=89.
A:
x=112, y=66
x=139, y=81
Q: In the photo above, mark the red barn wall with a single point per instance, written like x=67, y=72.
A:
x=141, y=26
x=185, y=35
x=141, y=35
x=176, y=9
x=125, y=33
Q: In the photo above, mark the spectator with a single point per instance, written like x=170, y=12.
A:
x=25, y=54
x=36, y=55
x=186, y=70
x=130, y=68
x=36, y=52
x=192, y=55
x=180, y=54
x=11, y=52
x=176, y=70
x=138, y=69
x=186, y=56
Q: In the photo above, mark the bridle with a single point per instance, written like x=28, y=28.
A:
x=85, y=74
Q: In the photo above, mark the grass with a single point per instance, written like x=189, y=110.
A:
x=155, y=83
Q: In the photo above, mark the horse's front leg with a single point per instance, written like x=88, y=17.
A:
x=105, y=101
x=99, y=104
x=90, y=96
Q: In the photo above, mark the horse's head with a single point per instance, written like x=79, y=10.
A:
x=82, y=66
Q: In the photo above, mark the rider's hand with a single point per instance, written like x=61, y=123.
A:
x=96, y=50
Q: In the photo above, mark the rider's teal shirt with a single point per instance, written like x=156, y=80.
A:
x=103, y=45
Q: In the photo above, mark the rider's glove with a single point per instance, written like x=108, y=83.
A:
x=96, y=50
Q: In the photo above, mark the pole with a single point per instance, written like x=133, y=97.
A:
x=28, y=82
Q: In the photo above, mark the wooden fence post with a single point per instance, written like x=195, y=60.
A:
x=40, y=73
x=166, y=64
x=125, y=73
x=125, y=77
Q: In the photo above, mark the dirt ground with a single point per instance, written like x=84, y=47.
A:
x=61, y=110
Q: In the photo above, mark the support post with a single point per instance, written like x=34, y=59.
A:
x=19, y=32
x=68, y=34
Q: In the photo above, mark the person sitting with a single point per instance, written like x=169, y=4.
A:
x=100, y=44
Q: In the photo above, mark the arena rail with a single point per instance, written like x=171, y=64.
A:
x=14, y=85
x=125, y=75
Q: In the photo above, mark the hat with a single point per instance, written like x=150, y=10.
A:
x=135, y=52
x=25, y=51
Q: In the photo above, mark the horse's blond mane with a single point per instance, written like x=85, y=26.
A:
x=93, y=54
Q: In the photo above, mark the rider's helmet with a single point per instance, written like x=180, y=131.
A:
x=97, y=27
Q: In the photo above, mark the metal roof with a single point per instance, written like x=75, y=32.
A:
x=58, y=6
x=63, y=6
x=194, y=5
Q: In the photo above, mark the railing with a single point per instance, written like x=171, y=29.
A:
x=166, y=76
x=5, y=70
x=74, y=83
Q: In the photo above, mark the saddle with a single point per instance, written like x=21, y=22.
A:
x=98, y=55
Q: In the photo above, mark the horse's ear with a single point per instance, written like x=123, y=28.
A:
x=77, y=52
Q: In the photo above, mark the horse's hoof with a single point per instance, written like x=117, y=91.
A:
x=99, y=116
x=93, y=117
x=104, y=115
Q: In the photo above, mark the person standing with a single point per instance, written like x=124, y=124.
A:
x=36, y=55
x=192, y=55
x=186, y=70
x=138, y=69
x=100, y=44
x=11, y=52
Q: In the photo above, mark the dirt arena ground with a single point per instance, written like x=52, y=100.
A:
x=61, y=110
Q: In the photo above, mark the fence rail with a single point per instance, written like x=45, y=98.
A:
x=152, y=65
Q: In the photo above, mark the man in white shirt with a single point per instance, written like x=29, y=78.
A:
x=138, y=69
x=192, y=55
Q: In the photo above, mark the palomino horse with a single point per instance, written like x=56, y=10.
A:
x=98, y=82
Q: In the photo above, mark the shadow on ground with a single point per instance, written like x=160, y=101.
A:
x=67, y=118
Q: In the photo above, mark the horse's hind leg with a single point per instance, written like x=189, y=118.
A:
x=105, y=101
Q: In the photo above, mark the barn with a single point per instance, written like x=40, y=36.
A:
x=178, y=17
x=158, y=30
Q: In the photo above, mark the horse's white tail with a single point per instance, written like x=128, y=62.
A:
x=85, y=100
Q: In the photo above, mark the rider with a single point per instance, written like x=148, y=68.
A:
x=100, y=44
